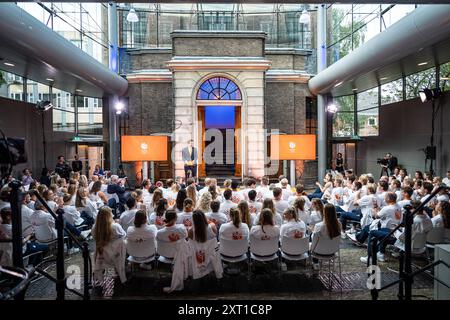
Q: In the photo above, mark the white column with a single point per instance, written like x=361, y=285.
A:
x=144, y=170
x=292, y=173
x=152, y=171
x=321, y=113
x=113, y=128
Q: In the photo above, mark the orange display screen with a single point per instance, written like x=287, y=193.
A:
x=144, y=148
x=293, y=147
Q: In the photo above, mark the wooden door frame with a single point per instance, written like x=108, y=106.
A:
x=201, y=131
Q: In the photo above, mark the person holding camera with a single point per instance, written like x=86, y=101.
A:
x=389, y=162
x=62, y=168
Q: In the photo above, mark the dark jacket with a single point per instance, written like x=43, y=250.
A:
x=120, y=191
x=77, y=166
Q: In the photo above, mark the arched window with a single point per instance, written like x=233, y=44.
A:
x=219, y=88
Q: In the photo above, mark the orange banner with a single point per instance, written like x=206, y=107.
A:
x=293, y=147
x=144, y=148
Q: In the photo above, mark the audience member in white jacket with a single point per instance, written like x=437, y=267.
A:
x=215, y=216
x=43, y=224
x=198, y=256
x=172, y=232
x=301, y=211
x=110, y=248
x=300, y=189
x=293, y=228
x=127, y=217
x=266, y=229
x=235, y=229
x=268, y=204
x=142, y=232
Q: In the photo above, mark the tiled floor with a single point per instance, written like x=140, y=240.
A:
x=297, y=282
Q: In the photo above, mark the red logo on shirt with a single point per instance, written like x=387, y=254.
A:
x=235, y=199
x=237, y=235
x=173, y=237
x=252, y=209
x=298, y=234
x=398, y=214
x=213, y=221
x=159, y=221
x=200, y=256
x=187, y=222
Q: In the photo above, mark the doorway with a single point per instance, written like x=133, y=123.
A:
x=220, y=143
x=348, y=150
x=91, y=155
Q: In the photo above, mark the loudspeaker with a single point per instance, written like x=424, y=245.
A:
x=431, y=152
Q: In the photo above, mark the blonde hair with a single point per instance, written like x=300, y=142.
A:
x=192, y=194
x=157, y=195
x=175, y=187
x=83, y=181
x=205, y=202
x=227, y=183
x=80, y=200
x=245, y=212
x=102, y=230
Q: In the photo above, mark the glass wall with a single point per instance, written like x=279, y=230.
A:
x=351, y=25
x=157, y=21
x=83, y=24
x=344, y=119
x=366, y=107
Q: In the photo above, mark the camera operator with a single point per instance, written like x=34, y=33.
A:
x=62, y=168
x=389, y=162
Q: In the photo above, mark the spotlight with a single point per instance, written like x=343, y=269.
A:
x=43, y=106
x=332, y=108
x=132, y=16
x=119, y=106
x=119, y=112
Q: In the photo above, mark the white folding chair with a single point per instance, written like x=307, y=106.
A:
x=233, y=251
x=325, y=249
x=294, y=249
x=140, y=251
x=434, y=236
x=263, y=250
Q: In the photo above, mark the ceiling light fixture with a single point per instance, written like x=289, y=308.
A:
x=9, y=64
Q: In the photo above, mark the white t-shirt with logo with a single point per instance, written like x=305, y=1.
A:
x=390, y=216
x=172, y=233
x=293, y=229
x=267, y=232
x=228, y=231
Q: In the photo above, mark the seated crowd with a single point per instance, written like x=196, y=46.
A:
x=346, y=205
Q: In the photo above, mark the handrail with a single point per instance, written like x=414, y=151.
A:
x=405, y=264
x=419, y=208
x=25, y=279
x=15, y=199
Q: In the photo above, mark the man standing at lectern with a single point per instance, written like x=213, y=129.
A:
x=189, y=155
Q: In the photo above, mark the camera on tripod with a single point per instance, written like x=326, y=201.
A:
x=382, y=161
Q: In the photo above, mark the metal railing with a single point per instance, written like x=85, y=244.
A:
x=406, y=276
x=60, y=280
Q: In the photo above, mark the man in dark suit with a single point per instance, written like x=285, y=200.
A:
x=189, y=155
x=77, y=165
x=392, y=163
x=62, y=168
